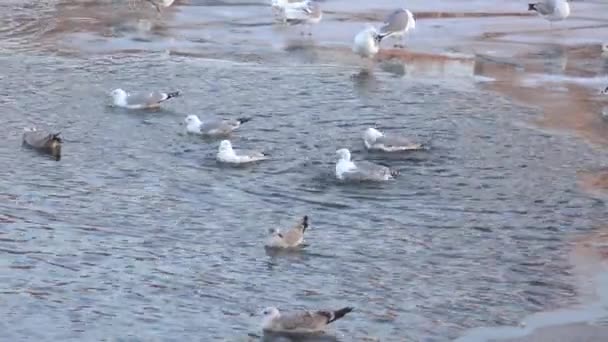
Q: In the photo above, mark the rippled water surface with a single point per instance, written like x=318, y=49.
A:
x=138, y=232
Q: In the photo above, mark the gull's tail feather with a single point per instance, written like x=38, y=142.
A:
x=531, y=7
x=336, y=315
x=57, y=138
x=243, y=120
x=173, y=94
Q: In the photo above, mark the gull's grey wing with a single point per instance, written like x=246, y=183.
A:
x=292, y=236
x=37, y=139
x=305, y=320
x=218, y=127
x=250, y=153
x=368, y=171
x=146, y=99
x=395, y=143
x=395, y=22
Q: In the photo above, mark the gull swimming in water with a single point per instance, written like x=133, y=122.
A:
x=303, y=12
x=213, y=128
x=398, y=24
x=160, y=3
x=141, y=100
x=374, y=140
x=367, y=42
x=551, y=10
x=300, y=321
x=289, y=238
x=44, y=142
x=347, y=170
x=228, y=155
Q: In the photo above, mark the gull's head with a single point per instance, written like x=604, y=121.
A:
x=343, y=154
x=119, y=95
x=371, y=134
x=271, y=312
x=192, y=120
x=225, y=147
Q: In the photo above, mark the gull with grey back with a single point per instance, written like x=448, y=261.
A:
x=551, y=10
x=42, y=141
x=213, y=128
x=302, y=322
x=288, y=238
x=361, y=171
x=397, y=25
x=141, y=100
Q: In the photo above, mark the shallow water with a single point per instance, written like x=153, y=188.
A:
x=138, y=232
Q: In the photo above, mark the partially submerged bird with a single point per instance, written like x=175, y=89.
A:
x=347, y=170
x=397, y=25
x=160, y=3
x=367, y=42
x=43, y=141
x=552, y=10
x=300, y=321
x=289, y=238
x=228, y=155
x=141, y=100
x=213, y=128
x=374, y=140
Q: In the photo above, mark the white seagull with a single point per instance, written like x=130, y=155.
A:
x=347, y=170
x=141, y=100
x=367, y=42
x=374, y=140
x=288, y=238
x=552, y=10
x=398, y=24
x=300, y=321
x=213, y=128
x=302, y=12
x=227, y=155
x=160, y=3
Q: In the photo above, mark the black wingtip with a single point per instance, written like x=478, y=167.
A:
x=394, y=173
x=531, y=7
x=173, y=94
x=341, y=313
x=57, y=138
x=605, y=91
x=305, y=222
x=243, y=120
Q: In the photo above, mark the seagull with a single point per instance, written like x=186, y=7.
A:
x=160, y=3
x=290, y=238
x=605, y=91
x=375, y=140
x=367, y=42
x=398, y=24
x=303, y=12
x=300, y=321
x=141, y=100
x=346, y=170
x=227, y=155
x=213, y=128
x=43, y=141
x=552, y=10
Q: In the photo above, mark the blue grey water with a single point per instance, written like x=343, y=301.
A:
x=137, y=233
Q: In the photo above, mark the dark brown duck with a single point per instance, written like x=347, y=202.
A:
x=43, y=141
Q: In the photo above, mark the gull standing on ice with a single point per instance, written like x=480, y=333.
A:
x=346, y=170
x=375, y=140
x=141, y=100
x=213, y=128
x=289, y=238
x=304, y=12
x=300, y=321
x=552, y=10
x=160, y=3
x=367, y=42
x=398, y=24
x=227, y=155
